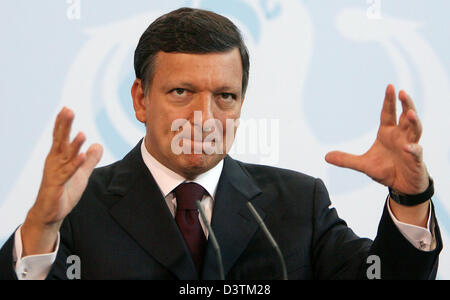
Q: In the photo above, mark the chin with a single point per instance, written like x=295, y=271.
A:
x=193, y=165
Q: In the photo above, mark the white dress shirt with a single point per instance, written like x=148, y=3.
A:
x=168, y=180
x=37, y=267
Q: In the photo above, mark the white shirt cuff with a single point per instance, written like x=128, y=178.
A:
x=33, y=267
x=419, y=237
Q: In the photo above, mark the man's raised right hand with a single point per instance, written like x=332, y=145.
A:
x=66, y=174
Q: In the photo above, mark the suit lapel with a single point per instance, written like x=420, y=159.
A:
x=232, y=223
x=137, y=204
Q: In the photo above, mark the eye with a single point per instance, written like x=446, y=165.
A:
x=228, y=96
x=178, y=91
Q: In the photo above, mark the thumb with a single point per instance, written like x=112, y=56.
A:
x=344, y=160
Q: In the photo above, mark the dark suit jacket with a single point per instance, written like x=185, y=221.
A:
x=123, y=229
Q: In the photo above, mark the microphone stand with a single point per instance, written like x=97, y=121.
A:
x=269, y=237
x=213, y=239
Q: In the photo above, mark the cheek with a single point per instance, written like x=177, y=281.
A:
x=164, y=127
x=230, y=120
x=229, y=124
x=232, y=112
x=158, y=126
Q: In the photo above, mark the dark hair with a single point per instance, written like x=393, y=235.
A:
x=188, y=30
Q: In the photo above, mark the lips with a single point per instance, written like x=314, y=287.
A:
x=201, y=147
x=198, y=142
x=195, y=137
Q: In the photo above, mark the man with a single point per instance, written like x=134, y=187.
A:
x=135, y=219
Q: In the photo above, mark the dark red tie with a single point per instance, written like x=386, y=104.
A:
x=187, y=219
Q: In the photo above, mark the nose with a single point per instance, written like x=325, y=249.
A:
x=202, y=110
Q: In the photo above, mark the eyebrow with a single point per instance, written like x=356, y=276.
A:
x=186, y=85
x=189, y=86
x=226, y=88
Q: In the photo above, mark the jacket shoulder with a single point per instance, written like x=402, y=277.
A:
x=102, y=176
x=269, y=175
x=98, y=184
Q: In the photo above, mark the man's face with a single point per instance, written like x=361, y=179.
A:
x=208, y=86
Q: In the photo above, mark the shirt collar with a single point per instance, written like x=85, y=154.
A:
x=167, y=179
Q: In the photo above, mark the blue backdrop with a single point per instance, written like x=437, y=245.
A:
x=318, y=74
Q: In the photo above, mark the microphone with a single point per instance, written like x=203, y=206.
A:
x=269, y=237
x=213, y=239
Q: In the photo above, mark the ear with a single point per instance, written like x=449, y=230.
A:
x=137, y=92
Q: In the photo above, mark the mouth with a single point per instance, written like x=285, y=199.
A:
x=195, y=146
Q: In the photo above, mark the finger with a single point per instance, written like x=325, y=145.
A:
x=67, y=171
x=56, y=128
x=93, y=156
x=83, y=163
x=345, y=160
x=388, y=113
x=415, y=126
x=409, y=121
x=77, y=162
x=415, y=150
x=62, y=130
x=407, y=102
x=76, y=144
x=66, y=126
x=58, y=121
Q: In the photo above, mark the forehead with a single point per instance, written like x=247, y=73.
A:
x=206, y=70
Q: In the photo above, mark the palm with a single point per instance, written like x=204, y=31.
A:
x=74, y=188
x=66, y=172
x=395, y=158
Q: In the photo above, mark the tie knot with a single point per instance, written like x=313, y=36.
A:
x=187, y=194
